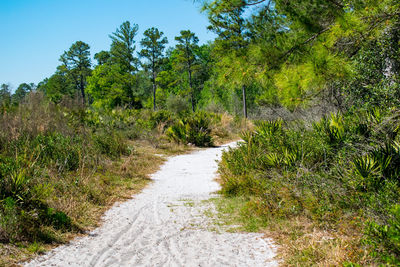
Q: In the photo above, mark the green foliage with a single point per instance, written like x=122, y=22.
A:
x=161, y=117
x=23, y=198
x=267, y=129
x=58, y=86
x=22, y=90
x=77, y=63
x=61, y=151
x=57, y=218
x=186, y=58
x=5, y=97
x=111, y=87
x=365, y=166
x=323, y=172
x=177, y=104
x=331, y=128
x=153, y=46
x=102, y=57
x=42, y=146
x=110, y=143
x=379, y=165
x=291, y=54
x=123, y=47
x=385, y=238
x=194, y=129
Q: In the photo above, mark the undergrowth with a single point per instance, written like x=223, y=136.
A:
x=328, y=191
x=62, y=165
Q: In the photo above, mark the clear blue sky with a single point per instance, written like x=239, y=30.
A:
x=34, y=33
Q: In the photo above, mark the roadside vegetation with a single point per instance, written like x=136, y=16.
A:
x=63, y=165
x=313, y=86
x=322, y=179
x=329, y=191
x=85, y=138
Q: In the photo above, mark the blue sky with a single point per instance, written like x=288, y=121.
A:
x=34, y=33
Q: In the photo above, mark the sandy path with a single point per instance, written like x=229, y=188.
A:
x=161, y=226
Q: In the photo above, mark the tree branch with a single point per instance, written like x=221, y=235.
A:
x=291, y=50
x=256, y=3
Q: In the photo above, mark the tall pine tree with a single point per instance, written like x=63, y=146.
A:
x=153, y=45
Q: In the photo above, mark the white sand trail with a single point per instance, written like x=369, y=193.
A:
x=158, y=228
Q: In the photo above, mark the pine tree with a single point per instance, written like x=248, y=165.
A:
x=153, y=46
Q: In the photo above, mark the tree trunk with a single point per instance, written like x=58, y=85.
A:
x=82, y=87
x=244, y=102
x=154, y=92
x=191, y=89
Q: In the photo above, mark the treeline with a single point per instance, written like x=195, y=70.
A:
x=126, y=77
x=267, y=55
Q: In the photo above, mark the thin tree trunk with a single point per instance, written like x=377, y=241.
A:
x=244, y=101
x=82, y=87
x=154, y=92
x=153, y=65
x=189, y=65
x=191, y=89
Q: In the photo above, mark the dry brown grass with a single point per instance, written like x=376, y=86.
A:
x=229, y=129
x=299, y=240
x=302, y=243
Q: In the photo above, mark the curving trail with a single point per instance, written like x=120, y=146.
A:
x=162, y=227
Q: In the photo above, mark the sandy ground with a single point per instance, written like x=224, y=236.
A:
x=165, y=226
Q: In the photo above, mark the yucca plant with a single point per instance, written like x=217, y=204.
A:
x=333, y=128
x=18, y=179
x=336, y=128
x=388, y=157
x=198, y=129
x=268, y=129
x=366, y=166
x=291, y=156
x=177, y=132
x=194, y=129
x=375, y=116
x=274, y=159
x=246, y=136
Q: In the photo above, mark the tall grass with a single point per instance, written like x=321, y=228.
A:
x=42, y=146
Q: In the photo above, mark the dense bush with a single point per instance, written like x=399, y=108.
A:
x=177, y=104
x=110, y=143
x=194, y=129
x=45, y=149
x=343, y=164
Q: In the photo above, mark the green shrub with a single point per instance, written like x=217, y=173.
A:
x=385, y=238
x=177, y=104
x=56, y=218
x=17, y=178
x=268, y=129
x=110, y=143
x=332, y=129
x=49, y=159
x=344, y=164
x=10, y=227
x=62, y=151
x=161, y=116
x=194, y=129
